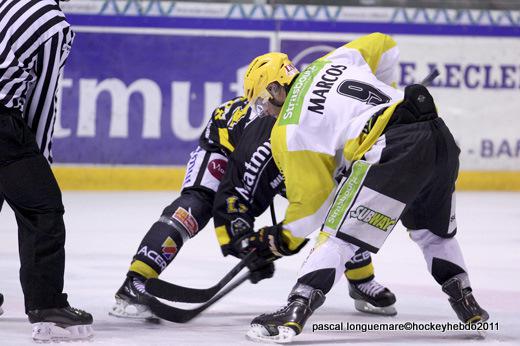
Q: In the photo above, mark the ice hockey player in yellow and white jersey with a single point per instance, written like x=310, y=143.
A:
x=398, y=159
x=333, y=99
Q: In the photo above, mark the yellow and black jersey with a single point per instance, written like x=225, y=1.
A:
x=226, y=126
x=250, y=183
x=251, y=179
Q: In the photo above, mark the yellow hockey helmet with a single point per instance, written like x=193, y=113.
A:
x=264, y=70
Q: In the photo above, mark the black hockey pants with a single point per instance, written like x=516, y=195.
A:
x=28, y=185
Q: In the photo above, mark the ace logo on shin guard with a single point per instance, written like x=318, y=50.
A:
x=153, y=256
x=169, y=248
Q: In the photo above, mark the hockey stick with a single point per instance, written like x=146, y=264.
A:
x=273, y=213
x=176, y=293
x=427, y=81
x=173, y=314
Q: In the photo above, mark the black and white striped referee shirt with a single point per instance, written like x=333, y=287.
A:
x=35, y=40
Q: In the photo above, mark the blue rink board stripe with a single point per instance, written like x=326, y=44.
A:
x=292, y=25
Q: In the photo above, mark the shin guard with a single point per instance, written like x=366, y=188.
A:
x=158, y=249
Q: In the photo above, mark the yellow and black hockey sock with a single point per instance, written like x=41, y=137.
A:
x=359, y=269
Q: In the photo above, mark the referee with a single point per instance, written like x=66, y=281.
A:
x=35, y=40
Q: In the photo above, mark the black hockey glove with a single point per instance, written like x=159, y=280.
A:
x=259, y=267
x=270, y=244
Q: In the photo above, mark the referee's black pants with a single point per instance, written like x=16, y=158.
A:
x=28, y=185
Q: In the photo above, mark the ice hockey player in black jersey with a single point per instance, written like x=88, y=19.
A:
x=189, y=213
x=230, y=176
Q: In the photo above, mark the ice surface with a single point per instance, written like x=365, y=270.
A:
x=105, y=228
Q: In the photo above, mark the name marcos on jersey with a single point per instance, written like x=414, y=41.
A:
x=322, y=87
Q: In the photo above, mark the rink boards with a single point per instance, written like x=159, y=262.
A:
x=138, y=90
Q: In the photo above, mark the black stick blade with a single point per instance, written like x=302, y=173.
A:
x=178, y=315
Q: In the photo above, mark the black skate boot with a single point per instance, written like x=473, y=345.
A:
x=462, y=301
x=132, y=301
x=60, y=324
x=282, y=325
x=1, y=302
x=373, y=298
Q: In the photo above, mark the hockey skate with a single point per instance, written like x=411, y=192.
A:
x=1, y=302
x=132, y=301
x=373, y=298
x=60, y=324
x=463, y=303
x=282, y=325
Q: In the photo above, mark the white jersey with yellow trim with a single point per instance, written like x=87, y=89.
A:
x=328, y=121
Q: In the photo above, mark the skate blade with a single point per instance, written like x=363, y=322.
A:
x=1, y=311
x=50, y=332
x=137, y=312
x=365, y=307
x=481, y=334
x=258, y=333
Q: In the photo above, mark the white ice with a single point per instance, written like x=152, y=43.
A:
x=105, y=228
